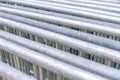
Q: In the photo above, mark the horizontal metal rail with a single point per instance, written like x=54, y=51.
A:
x=105, y=2
x=77, y=8
x=59, y=40
x=111, y=1
x=48, y=62
x=68, y=41
x=61, y=55
x=61, y=15
x=65, y=31
x=100, y=3
x=81, y=4
x=11, y=73
x=89, y=1
x=69, y=11
x=67, y=22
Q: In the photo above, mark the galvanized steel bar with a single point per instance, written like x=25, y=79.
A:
x=100, y=26
x=65, y=31
x=99, y=3
x=93, y=6
x=61, y=15
x=88, y=1
x=68, y=41
x=107, y=2
x=61, y=55
x=111, y=1
x=64, y=21
x=48, y=62
x=77, y=8
x=69, y=11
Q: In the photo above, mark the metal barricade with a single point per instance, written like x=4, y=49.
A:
x=61, y=40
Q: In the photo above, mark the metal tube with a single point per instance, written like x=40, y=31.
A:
x=78, y=8
x=61, y=55
x=111, y=1
x=54, y=60
x=70, y=11
x=68, y=41
x=61, y=15
x=48, y=62
x=105, y=1
x=88, y=1
x=100, y=3
x=87, y=5
x=65, y=31
x=11, y=73
x=67, y=22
